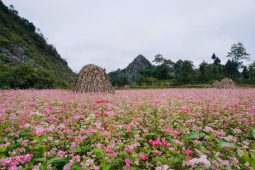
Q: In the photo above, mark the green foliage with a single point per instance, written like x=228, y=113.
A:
x=251, y=73
x=184, y=72
x=44, y=69
x=231, y=69
x=253, y=133
x=238, y=52
x=26, y=76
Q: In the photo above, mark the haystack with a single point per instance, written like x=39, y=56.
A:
x=93, y=79
x=225, y=83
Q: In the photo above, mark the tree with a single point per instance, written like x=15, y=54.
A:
x=216, y=59
x=231, y=69
x=245, y=74
x=158, y=59
x=251, y=73
x=184, y=72
x=164, y=68
x=238, y=53
x=205, y=72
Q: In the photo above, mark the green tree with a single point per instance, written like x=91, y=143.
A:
x=158, y=59
x=216, y=60
x=238, y=53
x=205, y=72
x=251, y=73
x=245, y=74
x=184, y=72
x=231, y=69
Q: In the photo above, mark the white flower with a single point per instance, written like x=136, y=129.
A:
x=202, y=160
x=162, y=167
x=27, y=125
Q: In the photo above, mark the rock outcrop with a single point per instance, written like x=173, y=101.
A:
x=16, y=54
x=131, y=72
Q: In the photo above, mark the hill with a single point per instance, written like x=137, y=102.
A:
x=131, y=72
x=26, y=59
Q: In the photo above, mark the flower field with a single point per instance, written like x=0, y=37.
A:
x=131, y=129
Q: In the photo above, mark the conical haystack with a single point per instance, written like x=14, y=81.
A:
x=92, y=79
x=225, y=83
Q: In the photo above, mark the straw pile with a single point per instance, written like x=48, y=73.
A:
x=93, y=79
x=225, y=83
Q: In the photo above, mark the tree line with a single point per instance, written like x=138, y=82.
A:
x=165, y=72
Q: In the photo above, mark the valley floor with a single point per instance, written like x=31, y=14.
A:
x=131, y=129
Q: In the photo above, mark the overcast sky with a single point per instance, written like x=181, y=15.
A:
x=112, y=33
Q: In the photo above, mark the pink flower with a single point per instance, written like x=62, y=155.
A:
x=187, y=151
x=164, y=142
x=13, y=167
x=101, y=101
x=128, y=163
x=157, y=152
x=156, y=142
x=106, y=114
x=12, y=162
x=73, y=145
x=60, y=154
x=97, y=113
x=40, y=131
x=144, y=157
x=185, y=109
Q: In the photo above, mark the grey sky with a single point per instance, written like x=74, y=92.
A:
x=111, y=33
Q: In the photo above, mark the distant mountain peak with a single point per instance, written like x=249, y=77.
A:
x=133, y=69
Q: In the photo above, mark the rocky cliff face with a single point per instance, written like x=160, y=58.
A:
x=131, y=72
x=16, y=54
x=137, y=65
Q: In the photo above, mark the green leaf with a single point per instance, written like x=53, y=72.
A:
x=223, y=144
x=55, y=159
x=76, y=166
x=3, y=149
x=195, y=134
x=253, y=133
x=106, y=166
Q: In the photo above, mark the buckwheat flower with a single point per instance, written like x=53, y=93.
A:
x=156, y=142
x=230, y=138
x=127, y=163
x=157, y=152
x=39, y=130
x=13, y=167
x=162, y=167
x=60, y=154
x=96, y=167
x=164, y=142
x=83, y=165
x=67, y=167
x=185, y=109
x=27, y=125
x=73, y=145
x=187, y=151
x=77, y=158
x=240, y=152
x=208, y=129
x=89, y=162
x=202, y=160
x=144, y=157
x=237, y=130
x=247, y=164
x=97, y=113
x=36, y=167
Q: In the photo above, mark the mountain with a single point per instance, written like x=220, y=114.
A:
x=26, y=59
x=131, y=72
